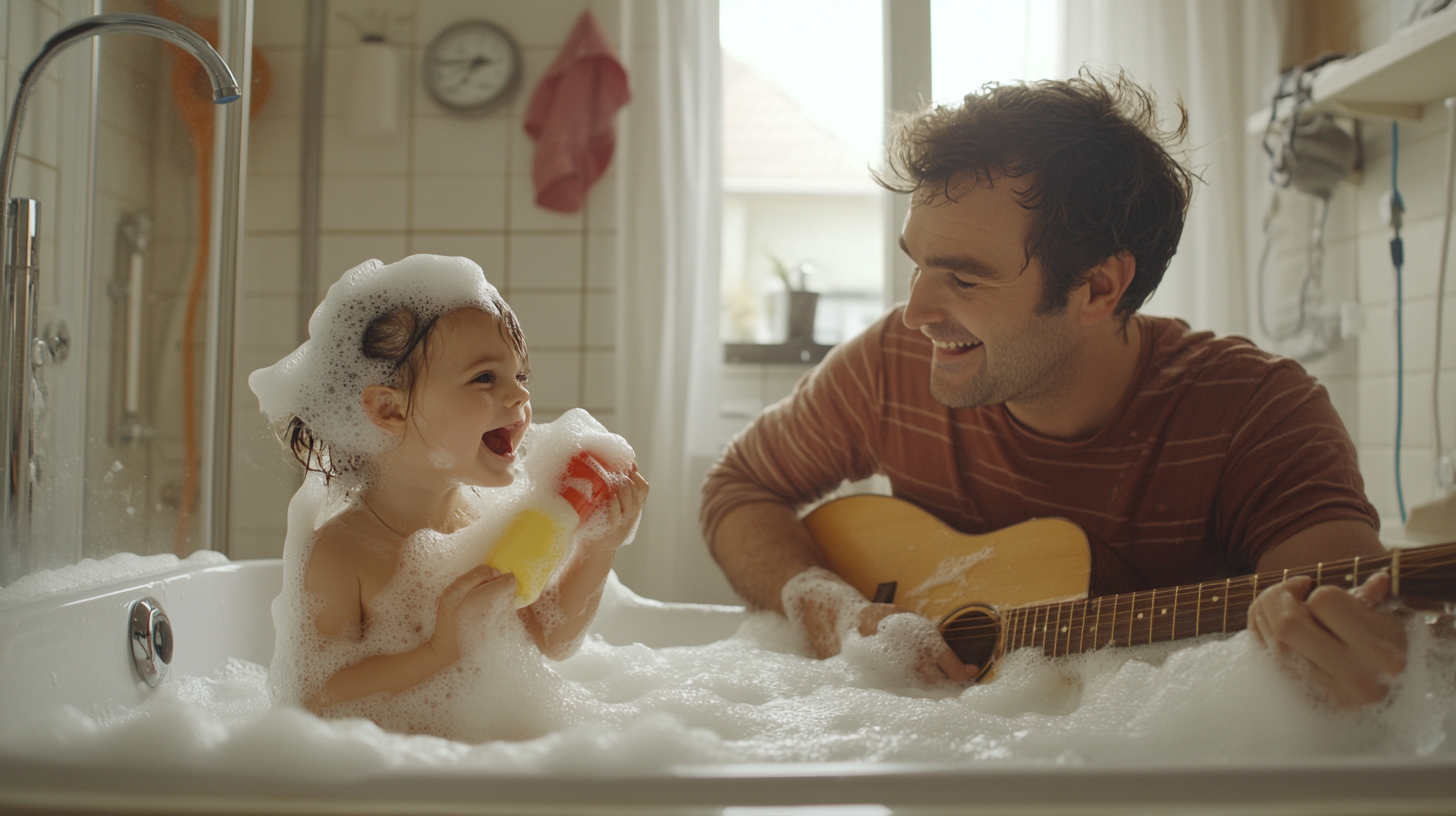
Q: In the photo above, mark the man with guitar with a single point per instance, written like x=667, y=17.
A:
x=1019, y=381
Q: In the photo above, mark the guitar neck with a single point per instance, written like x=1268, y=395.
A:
x=1176, y=613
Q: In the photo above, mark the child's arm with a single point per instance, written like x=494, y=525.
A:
x=571, y=603
x=341, y=615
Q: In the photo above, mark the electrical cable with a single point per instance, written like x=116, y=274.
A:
x=1397, y=257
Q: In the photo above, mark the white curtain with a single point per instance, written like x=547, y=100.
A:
x=668, y=223
x=1217, y=56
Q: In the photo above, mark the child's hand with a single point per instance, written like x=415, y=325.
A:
x=483, y=582
x=622, y=509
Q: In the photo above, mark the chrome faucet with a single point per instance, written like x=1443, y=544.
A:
x=20, y=233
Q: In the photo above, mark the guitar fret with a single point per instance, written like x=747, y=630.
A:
x=1173, y=631
x=1082, y=634
x=1060, y=630
x=1226, y=591
x=1063, y=627
x=1097, y=624
x=1198, y=611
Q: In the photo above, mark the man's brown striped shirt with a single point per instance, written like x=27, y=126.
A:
x=1217, y=452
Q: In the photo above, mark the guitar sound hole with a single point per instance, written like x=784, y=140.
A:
x=972, y=632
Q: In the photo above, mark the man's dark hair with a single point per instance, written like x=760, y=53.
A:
x=1100, y=179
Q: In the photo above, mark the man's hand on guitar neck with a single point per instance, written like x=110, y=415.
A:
x=1353, y=645
x=824, y=608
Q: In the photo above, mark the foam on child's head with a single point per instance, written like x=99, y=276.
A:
x=323, y=380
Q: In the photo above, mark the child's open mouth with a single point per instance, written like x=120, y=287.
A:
x=500, y=441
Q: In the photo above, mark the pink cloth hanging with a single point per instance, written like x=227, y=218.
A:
x=570, y=117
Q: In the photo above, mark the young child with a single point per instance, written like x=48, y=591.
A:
x=410, y=398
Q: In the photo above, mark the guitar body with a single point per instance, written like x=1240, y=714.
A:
x=872, y=540
x=1025, y=586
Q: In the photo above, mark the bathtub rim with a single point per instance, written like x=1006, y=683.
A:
x=1331, y=786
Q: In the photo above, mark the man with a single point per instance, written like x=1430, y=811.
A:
x=1019, y=381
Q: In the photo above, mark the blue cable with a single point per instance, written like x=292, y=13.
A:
x=1397, y=256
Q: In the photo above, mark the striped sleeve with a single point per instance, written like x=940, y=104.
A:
x=1291, y=465
x=805, y=445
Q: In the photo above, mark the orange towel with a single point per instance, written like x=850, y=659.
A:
x=570, y=117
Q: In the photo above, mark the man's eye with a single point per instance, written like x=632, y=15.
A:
x=964, y=285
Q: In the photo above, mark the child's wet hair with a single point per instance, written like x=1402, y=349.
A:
x=401, y=339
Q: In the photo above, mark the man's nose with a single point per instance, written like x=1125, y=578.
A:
x=920, y=309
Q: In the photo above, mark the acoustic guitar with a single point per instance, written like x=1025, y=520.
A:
x=1027, y=585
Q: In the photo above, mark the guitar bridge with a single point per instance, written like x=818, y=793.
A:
x=885, y=593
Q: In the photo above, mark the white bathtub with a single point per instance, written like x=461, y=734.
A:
x=73, y=649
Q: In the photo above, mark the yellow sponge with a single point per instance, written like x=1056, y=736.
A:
x=530, y=548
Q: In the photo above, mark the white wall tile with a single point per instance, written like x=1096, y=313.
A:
x=363, y=202
x=275, y=145
x=272, y=203
x=549, y=320
x=487, y=250
x=555, y=379
x=269, y=265
x=545, y=262
x=343, y=152
x=455, y=144
x=340, y=253
x=459, y=202
x=601, y=319
x=285, y=94
x=601, y=379
x=601, y=260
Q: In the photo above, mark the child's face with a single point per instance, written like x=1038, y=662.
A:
x=470, y=407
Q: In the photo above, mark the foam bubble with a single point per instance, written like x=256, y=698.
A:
x=90, y=573
x=322, y=381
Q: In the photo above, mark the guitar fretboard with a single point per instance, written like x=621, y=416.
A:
x=1175, y=613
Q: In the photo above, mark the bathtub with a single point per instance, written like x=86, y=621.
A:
x=73, y=649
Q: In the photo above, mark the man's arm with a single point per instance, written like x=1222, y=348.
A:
x=1353, y=647
x=761, y=547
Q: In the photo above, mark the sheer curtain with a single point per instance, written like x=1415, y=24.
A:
x=668, y=223
x=1217, y=55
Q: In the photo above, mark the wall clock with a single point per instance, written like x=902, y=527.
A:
x=472, y=66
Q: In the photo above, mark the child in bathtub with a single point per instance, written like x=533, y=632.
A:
x=411, y=396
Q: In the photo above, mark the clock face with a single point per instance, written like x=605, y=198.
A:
x=472, y=66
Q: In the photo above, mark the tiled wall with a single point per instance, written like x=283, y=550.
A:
x=1361, y=376
x=445, y=185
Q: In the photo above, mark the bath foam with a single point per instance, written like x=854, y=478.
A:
x=322, y=381
x=753, y=697
x=501, y=687
x=89, y=573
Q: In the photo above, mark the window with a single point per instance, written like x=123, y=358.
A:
x=802, y=126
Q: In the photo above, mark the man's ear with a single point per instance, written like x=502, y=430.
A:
x=1105, y=284
x=385, y=407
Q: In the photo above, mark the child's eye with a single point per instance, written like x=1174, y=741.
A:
x=523, y=377
x=485, y=377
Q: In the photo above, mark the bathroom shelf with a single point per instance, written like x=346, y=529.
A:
x=1394, y=80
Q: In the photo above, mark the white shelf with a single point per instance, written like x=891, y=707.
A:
x=1394, y=80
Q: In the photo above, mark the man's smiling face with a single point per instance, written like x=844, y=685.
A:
x=975, y=296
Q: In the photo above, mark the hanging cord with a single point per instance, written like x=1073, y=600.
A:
x=1397, y=257
x=1311, y=290
x=1443, y=473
